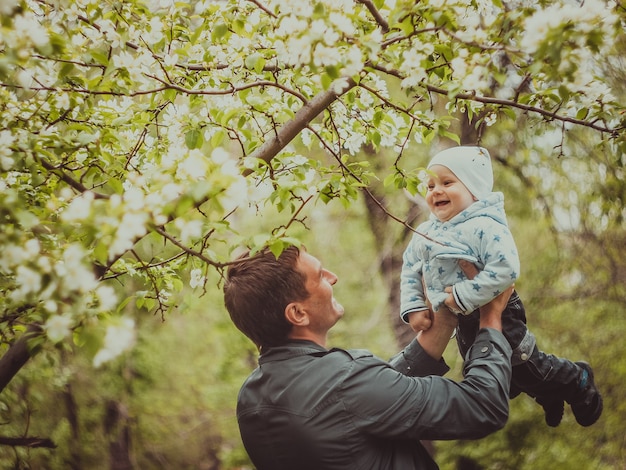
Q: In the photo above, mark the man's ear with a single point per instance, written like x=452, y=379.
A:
x=295, y=314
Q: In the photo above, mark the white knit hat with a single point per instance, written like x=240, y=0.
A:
x=471, y=165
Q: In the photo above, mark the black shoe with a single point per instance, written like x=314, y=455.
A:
x=553, y=409
x=587, y=402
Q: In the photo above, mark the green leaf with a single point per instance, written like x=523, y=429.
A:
x=376, y=138
x=255, y=62
x=66, y=70
x=277, y=247
x=509, y=113
x=332, y=71
x=218, y=138
x=170, y=94
x=251, y=60
x=219, y=31
x=101, y=253
x=326, y=81
x=194, y=139
x=239, y=26
x=99, y=57
x=582, y=113
x=389, y=179
x=451, y=135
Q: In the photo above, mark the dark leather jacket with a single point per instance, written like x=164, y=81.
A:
x=306, y=407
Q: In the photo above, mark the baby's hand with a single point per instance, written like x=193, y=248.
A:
x=420, y=320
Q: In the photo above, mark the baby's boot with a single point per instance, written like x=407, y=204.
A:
x=586, y=401
x=553, y=409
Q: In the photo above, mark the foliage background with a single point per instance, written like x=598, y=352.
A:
x=143, y=143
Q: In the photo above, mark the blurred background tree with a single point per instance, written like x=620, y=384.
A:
x=144, y=143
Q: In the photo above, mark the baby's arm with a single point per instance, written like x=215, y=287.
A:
x=498, y=252
x=412, y=292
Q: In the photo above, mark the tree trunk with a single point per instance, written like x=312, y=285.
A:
x=17, y=355
x=390, y=264
x=117, y=428
x=71, y=409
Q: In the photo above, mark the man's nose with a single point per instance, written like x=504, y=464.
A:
x=332, y=277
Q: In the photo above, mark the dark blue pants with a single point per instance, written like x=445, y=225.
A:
x=542, y=376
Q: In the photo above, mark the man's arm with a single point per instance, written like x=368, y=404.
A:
x=423, y=355
x=435, y=340
x=431, y=407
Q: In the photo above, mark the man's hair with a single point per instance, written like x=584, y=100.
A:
x=257, y=290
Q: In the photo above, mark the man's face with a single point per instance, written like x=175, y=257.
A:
x=323, y=310
x=447, y=196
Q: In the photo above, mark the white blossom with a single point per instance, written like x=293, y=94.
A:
x=190, y=230
x=342, y=22
x=50, y=306
x=25, y=79
x=6, y=163
x=194, y=167
x=323, y=55
x=353, y=61
x=119, y=337
x=7, y=6
x=228, y=165
x=196, y=278
x=29, y=27
x=290, y=26
x=131, y=228
x=62, y=101
x=154, y=33
x=134, y=198
x=107, y=298
x=74, y=271
x=28, y=280
x=58, y=327
x=6, y=140
x=32, y=248
x=79, y=209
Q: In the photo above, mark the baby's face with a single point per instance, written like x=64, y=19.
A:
x=446, y=196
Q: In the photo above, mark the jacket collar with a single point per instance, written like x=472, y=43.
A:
x=293, y=348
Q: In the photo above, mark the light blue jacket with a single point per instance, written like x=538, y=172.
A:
x=479, y=234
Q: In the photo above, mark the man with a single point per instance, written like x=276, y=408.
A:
x=309, y=407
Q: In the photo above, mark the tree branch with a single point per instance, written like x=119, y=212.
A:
x=376, y=14
x=303, y=117
x=27, y=442
x=69, y=180
x=262, y=7
x=552, y=115
x=161, y=231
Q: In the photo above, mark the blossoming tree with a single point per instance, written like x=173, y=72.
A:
x=133, y=133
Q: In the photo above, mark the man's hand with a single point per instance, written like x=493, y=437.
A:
x=420, y=320
x=450, y=303
x=468, y=268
